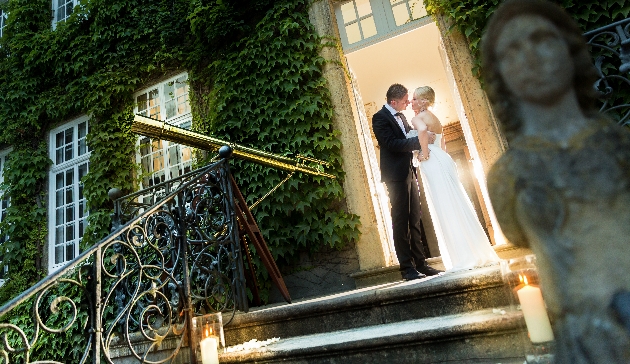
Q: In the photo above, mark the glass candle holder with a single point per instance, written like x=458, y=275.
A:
x=521, y=276
x=208, y=333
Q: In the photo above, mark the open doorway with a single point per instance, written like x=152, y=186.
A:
x=414, y=57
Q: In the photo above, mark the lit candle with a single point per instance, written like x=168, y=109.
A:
x=209, y=353
x=535, y=313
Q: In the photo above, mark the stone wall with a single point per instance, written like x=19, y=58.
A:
x=323, y=273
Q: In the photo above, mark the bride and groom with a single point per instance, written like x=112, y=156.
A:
x=463, y=243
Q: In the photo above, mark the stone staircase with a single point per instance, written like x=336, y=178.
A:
x=460, y=317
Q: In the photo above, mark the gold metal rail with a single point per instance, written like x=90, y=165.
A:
x=160, y=130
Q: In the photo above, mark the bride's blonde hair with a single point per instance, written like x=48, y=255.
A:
x=425, y=92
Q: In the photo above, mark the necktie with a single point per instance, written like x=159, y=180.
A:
x=401, y=122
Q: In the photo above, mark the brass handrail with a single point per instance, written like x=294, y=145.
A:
x=161, y=130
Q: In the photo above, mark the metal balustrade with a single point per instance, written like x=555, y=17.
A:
x=610, y=46
x=174, y=253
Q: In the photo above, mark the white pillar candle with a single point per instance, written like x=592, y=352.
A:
x=209, y=353
x=535, y=314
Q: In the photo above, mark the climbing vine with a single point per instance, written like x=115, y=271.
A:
x=470, y=16
x=255, y=78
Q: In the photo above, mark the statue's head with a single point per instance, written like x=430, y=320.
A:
x=533, y=51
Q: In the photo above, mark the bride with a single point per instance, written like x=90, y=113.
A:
x=462, y=241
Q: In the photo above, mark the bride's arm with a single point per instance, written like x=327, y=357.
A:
x=423, y=136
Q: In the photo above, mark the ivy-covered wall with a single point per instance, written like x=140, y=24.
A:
x=255, y=78
x=470, y=16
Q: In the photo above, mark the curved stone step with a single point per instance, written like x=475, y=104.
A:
x=446, y=294
x=484, y=336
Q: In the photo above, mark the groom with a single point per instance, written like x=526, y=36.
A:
x=390, y=128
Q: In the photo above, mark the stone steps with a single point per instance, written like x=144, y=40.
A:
x=476, y=337
x=448, y=318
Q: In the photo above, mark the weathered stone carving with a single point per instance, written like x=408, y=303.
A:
x=563, y=187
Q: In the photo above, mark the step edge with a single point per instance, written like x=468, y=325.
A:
x=494, y=323
x=360, y=300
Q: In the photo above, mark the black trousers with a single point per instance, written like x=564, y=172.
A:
x=406, y=221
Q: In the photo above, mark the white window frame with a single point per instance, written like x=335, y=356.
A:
x=3, y=206
x=3, y=21
x=62, y=4
x=76, y=210
x=161, y=160
x=384, y=19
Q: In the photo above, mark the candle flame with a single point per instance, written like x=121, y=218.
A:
x=520, y=278
x=525, y=280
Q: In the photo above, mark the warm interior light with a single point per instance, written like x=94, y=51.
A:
x=525, y=280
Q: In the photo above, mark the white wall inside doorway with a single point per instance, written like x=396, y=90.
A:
x=412, y=59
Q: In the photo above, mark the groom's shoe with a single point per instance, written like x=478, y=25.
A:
x=429, y=271
x=411, y=274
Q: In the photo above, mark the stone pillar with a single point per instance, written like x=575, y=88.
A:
x=485, y=141
x=488, y=139
x=372, y=250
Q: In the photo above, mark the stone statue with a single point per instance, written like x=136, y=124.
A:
x=563, y=187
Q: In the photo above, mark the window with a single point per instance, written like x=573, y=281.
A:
x=3, y=21
x=4, y=204
x=407, y=10
x=62, y=9
x=167, y=101
x=358, y=20
x=365, y=22
x=67, y=205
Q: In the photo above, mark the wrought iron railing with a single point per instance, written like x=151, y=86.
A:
x=174, y=253
x=610, y=46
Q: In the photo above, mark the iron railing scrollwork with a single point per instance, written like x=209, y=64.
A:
x=610, y=46
x=174, y=253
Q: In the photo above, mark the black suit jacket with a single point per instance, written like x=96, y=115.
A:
x=396, y=149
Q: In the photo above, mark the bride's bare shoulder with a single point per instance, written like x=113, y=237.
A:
x=432, y=122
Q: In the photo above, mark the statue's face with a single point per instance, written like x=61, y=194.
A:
x=534, y=60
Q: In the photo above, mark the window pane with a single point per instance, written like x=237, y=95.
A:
x=82, y=170
x=61, y=13
x=401, y=15
x=59, y=179
x=68, y=135
x=70, y=213
x=141, y=102
x=59, y=216
x=59, y=253
x=170, y=107
x=70, y=232
x=59, y=140
x=353, y=33
x=70, y=177
x=417, y=9
x=368, y=26
x=69, y=251
x=67, y=153
x=347, y=12
x=363, y=8
x=181, y=95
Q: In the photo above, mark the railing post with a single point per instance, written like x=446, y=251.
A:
x=183, y=246
x=98, y=310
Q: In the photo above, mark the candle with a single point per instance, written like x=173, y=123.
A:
x=535, y=313
x=209, y=353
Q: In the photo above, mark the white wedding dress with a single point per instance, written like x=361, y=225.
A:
x=462, y=241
